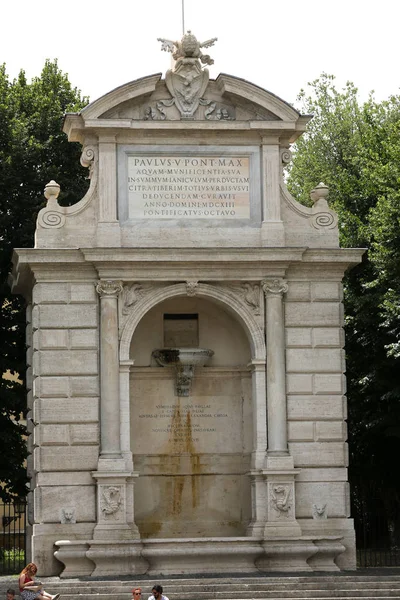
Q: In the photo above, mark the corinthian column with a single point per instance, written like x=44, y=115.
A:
x=276, y=375
x=109, y=370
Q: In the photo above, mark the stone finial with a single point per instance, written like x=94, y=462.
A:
x=321, y=192
x=51, y=192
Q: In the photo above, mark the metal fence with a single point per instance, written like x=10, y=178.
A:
x=377, y=534
x=12, y=537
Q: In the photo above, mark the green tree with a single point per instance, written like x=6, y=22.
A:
x=354, y=148
x=33, y=150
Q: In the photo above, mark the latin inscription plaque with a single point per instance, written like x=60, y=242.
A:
x=188, y=187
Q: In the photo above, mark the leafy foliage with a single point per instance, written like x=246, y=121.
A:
x=33, y=150
x=355, y=149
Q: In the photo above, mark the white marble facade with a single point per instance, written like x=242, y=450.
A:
x=187, y=232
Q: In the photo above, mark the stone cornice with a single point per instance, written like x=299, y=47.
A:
x=172, y=264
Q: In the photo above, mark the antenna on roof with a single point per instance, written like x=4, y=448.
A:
x=183, y=17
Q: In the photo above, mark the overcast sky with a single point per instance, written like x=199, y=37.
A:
x=278, y=45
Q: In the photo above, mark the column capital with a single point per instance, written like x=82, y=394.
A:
x=274, y=287
x=107, y=288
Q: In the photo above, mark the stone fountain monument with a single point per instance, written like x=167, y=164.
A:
x=186, y=387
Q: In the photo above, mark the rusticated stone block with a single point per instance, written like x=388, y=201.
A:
x=51, y=435
x=50, y=387
x=312, y=314
x=69, y=410
x=298, y=336
x=319, y=454
x=53, y=339
x=326, y=291
x=80, y=499
x=50, y=293
x=79, y=458
x=315, y=407
x=68, y=362
x=300, y=431
x=83, y=293
x=84, y=434
x=84, y=386
x=328, y=384
x=72, y=315
x=333, y=430
x=328, y=336
x=314, y=360
x=331, y=494
x=84, y=338
x=299, y=383
x=298, y=291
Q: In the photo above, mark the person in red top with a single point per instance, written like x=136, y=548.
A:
x=31, y=589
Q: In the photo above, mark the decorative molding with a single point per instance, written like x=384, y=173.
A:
x=280, y=499
x=111, y=500
x=216, y=113
x=150, y=113
x=107, y=288
x=249, y=293
x=67, y=516
x=191, y=288
x=131, y=293
x=274, y=287
x=319, y=512
x=218, y=293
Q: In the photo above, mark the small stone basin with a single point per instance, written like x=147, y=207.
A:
x=168, y=357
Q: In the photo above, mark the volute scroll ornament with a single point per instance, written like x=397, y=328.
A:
x=274, y=287
x=286, y=156
x=108, y=288
x=88, y=158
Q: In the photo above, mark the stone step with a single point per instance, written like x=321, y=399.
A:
x=223, y=581
x=318, y=595
x=299, y=593
x=125, y=590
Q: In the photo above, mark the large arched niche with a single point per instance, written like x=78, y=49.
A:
x=192, y=453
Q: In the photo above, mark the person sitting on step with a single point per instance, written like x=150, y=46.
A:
x=31, y=589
